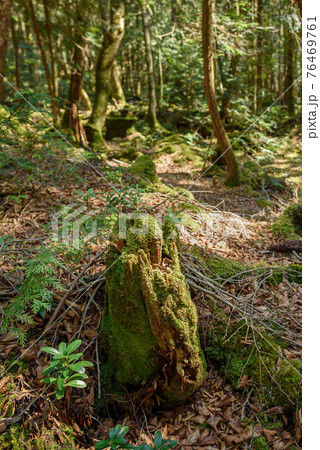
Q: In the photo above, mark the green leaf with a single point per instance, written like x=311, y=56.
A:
x=157, y=440
x=102, y=444
x=48, y=370
x=114, y=432
x=76, y=383
x=60, y=382
x=78, y=376
x=119, y=440
x=75, y=356
x=48, y=380
x=62, y=347
x=78, y=367
x=60, y=392
x=50, y=350
x=73, y=346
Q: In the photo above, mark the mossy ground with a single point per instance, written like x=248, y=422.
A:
x=289, y=224
x=240, y=350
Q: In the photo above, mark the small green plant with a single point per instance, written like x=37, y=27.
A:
x=35, y=295
x=63, y=370
x=116, y=440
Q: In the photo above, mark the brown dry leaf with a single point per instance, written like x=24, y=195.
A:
x=3, y=382
x=244, y=381
x=193, y=438
x=269, y=434
x=90, y=333
x=208, y=440
x=199, y=419
x=118, y=244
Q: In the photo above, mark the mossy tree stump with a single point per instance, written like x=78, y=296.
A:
x=150, y=325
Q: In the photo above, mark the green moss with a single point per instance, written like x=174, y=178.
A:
x=144, y=167
x=220, y=267
x=17, y=438
x=239, y=353
x=260, y=443
x=119, y=126
x=289, y=224
x=149, y=321
x=263, y=203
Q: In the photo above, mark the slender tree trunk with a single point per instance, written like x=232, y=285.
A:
x=299, y=5
x=259, y=70
x=289, y=75
x=208, y=60
x=117, y=93
x=152, y=111
x=71, y=117
x=5, y=19
x=16, y=52
x=230, y=90
x=111, y=42
x=54, y=75
x=86, y=100
x=43, y=57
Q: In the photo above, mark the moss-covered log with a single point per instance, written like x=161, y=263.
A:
x=150, y=324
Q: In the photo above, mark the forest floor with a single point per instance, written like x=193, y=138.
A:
x=218, y=416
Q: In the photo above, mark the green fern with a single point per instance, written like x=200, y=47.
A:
x=36, y=294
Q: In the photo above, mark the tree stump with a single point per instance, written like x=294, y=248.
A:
x=149, y=328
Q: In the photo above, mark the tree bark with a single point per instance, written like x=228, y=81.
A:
x=111, y=41
x=5, y=19
x=289, y=74
x=71, y=117
x=208, y=60
x=86, y=100
x=117, y=93
x=152, y=111
x=43, y=57
x=259, y=67
x=16, y=52
x=230, y=90
x=54, y=75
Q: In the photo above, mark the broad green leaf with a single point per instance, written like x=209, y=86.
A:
x=157, y=440
x=102, y=445
x=78, y=376
x=51, y=350
x=60, y=393
x=76, y=383
x=62, y=347
x=60, y=382
x=73, y=346
x=48, y=380
x=75, y=356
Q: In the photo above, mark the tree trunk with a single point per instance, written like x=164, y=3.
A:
x=152, y=111
x=54, y=75
x=111, y=42
x=5, y=19
x=208, y=60
x=71, y=117
x=43, y=57
x=259, y=67
x=230, y=90
x=86, y=100
x=289, y=74
x=15, y=42
x=117, y=93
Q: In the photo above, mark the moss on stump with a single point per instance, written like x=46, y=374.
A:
x=150, y=324
x=145, y=168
